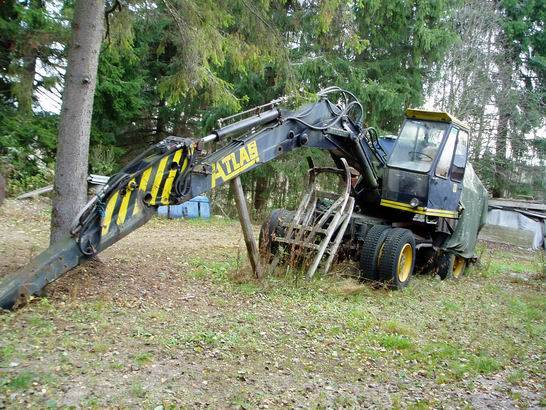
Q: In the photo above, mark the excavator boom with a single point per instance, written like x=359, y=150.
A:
x=178, y=169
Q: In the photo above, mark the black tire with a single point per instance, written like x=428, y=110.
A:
x=450, y=266
x=369, y=254
x=398, y=260
x=270, y=227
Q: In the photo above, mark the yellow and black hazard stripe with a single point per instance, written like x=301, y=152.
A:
x=419, y=210
x=155, y=184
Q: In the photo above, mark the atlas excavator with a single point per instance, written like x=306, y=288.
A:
x=396, y=195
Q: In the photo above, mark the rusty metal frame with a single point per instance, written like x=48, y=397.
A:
x=311, y=233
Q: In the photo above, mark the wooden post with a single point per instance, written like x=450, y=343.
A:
x=244, y=218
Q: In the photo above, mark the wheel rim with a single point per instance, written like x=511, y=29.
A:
x=458, y=267
x=405, y=262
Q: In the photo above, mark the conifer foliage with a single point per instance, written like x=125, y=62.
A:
x=176, y=66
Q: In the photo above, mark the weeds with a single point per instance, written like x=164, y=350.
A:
x=516, y=377
x=144, y=358
x=6, y=353
x=526, y=311
x=137, y=390
x=282, y=328
x=483, y=364
x=395, y=328
x=395, y=342
x=21, y=381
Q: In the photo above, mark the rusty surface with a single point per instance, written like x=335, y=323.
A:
x=316, y=231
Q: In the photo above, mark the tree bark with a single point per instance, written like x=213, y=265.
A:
x=26, y=83
x=28, y=73
x=485, y=94
x=260, y=194
x=2, y=189
x=500, y=153
x=505, y=106
x=70, y=186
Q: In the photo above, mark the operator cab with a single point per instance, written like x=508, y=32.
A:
x=425, y=169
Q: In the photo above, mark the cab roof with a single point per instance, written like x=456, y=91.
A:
x=435, y=116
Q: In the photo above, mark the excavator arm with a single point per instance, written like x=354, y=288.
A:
x=178, y=169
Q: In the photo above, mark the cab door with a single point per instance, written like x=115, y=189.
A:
x=446, y=180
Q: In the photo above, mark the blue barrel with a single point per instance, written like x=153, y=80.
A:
x=198, y=207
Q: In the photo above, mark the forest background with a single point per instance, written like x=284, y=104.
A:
x=173, y=67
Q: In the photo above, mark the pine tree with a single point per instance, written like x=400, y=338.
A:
x=70, y=187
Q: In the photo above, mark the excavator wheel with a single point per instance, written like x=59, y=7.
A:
x=398, y=260
x=372, y=249
x=451, y=266
x=271, y=227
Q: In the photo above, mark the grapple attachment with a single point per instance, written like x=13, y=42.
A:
x=319, y=223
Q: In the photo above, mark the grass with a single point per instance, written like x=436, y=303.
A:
x=218, y=271
x=395, y=342
x=496, y=264
x=530, y=311
x=215, y=221
x=483, y=364
x=6, y=353
x=516, y=376
x=144, y=358
x=397, y=328
x=20, y=381
x=283, y=338
x=138, y=391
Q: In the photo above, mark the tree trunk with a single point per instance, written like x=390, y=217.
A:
x=477, y=146
x=500, y=153
x=483, y=99
x=70, y=186
x=506, y=107
x=260, y=194
x=28, y=73
x=160, y=124
x=2, y=189
x=26, y=82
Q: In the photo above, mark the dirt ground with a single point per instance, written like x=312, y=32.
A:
x=169, y=317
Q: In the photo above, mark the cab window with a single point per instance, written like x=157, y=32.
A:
x=417, y=145
x=459, y=160
x=444, y=162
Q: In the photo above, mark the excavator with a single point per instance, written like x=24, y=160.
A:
x=397, y=195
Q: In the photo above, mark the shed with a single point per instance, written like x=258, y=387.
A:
x=517, y=222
